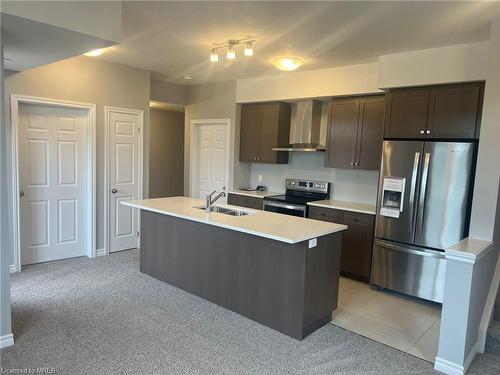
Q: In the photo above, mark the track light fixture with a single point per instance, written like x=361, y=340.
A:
x=231, y=48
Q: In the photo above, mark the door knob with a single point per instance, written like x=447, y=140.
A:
x=421, y=132
x=21, y=193
x=114, y=191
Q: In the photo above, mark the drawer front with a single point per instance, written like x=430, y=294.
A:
x=236, y=200
x=243, y=201
x=354, y=218
x=255, y=203
x=325, y=214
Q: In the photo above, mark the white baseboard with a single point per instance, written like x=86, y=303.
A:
x=452, y=368
x=448, y=367
x=6, y=340
x=100, y=252
x=12, y=268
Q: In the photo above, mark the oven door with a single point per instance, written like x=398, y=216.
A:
x=285, y=208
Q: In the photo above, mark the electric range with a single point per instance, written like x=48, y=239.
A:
x=298, y=193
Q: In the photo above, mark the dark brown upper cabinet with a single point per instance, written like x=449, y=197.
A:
x=406, y=113
x=264, y=126
x=355, y=132
x=453, y=111
x=436, y=112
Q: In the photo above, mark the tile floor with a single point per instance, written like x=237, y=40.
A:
x=401, y=322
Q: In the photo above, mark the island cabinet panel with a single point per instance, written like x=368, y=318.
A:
x=357, y=240
x=435, y=112
x=355, y=133
x=264, y=126
x=288, y=287
x=245, y=201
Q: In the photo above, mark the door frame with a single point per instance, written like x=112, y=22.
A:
x=107, y=112
x=194, y=151
x=90, y=175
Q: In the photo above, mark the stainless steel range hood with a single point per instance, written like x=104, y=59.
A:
x=307, y=130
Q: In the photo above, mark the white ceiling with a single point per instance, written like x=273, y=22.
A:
x=173, y=39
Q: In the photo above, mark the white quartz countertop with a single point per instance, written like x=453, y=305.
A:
x=271, y=225
x=255, y=194
x=363, y=208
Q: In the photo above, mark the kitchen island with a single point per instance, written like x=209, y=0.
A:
x=278, y=270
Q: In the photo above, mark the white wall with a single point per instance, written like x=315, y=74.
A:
x=215, y=101
x=347, y=184
x=89, y=80
x=6, y=209
x=168, y=92
x=464, y=62
x=488, y=162
x=346, y=80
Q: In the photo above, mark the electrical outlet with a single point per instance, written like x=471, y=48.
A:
x=313, y=243
x=260, y=178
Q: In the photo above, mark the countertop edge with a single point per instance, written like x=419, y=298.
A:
x=340, y=228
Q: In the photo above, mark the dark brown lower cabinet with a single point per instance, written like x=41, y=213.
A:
x=245, y=201
x=357, y=240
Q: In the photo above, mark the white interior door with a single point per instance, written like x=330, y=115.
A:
x=52, y=173
x=211, y=159
x=124, y=177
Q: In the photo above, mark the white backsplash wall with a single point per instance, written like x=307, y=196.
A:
x=347, y=184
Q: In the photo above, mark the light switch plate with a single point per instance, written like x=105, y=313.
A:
x=313, y=243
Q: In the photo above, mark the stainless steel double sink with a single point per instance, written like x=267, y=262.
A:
x=226, y=211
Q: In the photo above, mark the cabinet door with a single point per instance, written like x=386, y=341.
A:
x=357, y=243
x=406, y=113
x=250, y=137
x=370, y=133
x=341, y=138
x=453, y=111
x=325, y=214
x=269, y=132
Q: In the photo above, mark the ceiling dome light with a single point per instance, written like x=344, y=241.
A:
x=287, y=63
x=248, y=49
x=231, y=53
x=214, y=57
x=94, y=53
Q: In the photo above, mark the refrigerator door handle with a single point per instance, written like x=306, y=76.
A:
x=423, y=188
x=404, y=249
x=413, y=186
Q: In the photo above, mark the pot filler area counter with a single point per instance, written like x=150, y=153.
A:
x=278, y=270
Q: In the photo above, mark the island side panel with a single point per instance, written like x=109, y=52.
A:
x=322, y=282
x=256, y=277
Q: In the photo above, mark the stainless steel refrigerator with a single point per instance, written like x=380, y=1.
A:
x=423, y=207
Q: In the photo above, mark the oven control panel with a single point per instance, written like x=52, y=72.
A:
x=307, y=185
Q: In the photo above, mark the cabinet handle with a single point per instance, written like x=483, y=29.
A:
x=352, y=163
x=428, y=132
x=421, y=132
x=356, y=164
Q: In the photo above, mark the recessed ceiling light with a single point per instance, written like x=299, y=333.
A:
x=94, y=53
x=287, y=63
x=188, y=77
